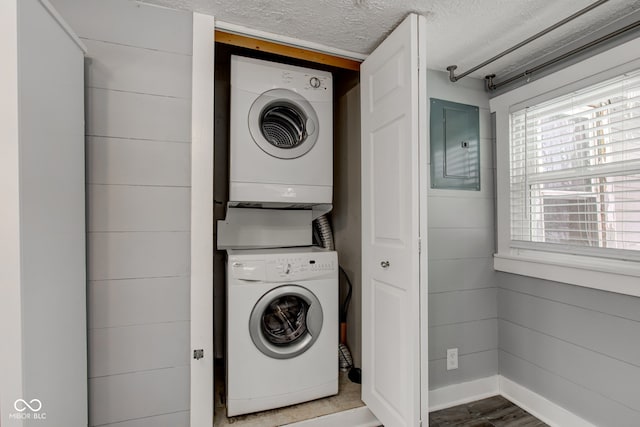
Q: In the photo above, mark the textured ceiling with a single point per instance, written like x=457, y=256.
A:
x=461, y=32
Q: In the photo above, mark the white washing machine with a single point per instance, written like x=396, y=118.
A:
x=281, y=134
x=282, y=327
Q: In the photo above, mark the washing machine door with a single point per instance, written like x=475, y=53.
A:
x=286, y=321
x=283, y=124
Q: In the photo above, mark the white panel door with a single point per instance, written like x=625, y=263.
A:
x=391, y=125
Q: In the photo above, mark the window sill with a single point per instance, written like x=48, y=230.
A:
x=611, y=275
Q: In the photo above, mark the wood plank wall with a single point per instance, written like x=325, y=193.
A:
x=575, y=346
x=138, y=125
x=462, y=288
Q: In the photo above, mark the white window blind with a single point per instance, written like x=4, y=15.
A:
x=575, y=172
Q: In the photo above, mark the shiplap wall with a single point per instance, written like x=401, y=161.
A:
x=462, y=288
x=577, y=347
x=138, y=121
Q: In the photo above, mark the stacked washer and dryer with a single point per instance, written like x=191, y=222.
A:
x=282, y=302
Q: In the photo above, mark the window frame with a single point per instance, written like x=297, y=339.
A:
x=610, y=273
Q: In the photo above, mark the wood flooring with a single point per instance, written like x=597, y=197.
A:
x=492, y=412
x=348, y=397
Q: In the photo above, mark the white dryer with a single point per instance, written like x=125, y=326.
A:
x=282, y=327
x=281, y=134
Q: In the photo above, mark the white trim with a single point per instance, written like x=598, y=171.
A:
x=589, y=272
x=536, y=405
x=459, y=394
x=423, y=172
x=11, y=365
x=289, y=41
x=202, y=119
x=608, y=274
x=600, y=67
x=56, y=16
x=541, y=408
x=357, y=417
x=503, y=185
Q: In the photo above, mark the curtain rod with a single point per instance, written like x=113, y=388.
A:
x=452, y=68
x=493, y=86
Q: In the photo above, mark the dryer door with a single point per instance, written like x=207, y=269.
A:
x=283, y=124
x=286, y=321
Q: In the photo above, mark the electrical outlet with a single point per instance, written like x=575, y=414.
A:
x=452, y=358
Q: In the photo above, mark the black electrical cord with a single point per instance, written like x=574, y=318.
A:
x=347, y=300
x=355, y=374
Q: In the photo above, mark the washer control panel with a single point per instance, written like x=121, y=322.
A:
x=253, y=270
x=287, y=265
x=300, y=267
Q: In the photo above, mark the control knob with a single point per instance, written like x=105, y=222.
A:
x=315, y=82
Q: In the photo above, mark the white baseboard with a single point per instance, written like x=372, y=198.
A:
x=458, y=394
x=538, y=406
x=357, y=417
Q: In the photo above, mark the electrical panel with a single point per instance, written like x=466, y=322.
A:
x=455, y=145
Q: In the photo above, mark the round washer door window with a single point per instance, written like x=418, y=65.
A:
x=286, y=321
x=283, y=124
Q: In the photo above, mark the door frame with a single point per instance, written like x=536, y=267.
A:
x=202, y=244
x=423, y=186
x=205, y=32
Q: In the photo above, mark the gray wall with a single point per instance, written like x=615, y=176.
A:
x=347, y=209
x=138, y=126
x=577, y=347
x=52, y=225
x=222, y=91
x=462, y=289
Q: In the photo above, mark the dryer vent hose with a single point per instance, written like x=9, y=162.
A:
x=345, y=361
x=324, y=237
x=323, y=229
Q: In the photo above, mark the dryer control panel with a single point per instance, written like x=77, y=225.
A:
x=257, y=76
x=307, y=81
x=314, y=82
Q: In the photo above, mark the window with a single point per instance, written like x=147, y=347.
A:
x=568, y=174
x=574, y=172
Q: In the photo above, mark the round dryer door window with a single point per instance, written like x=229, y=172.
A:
x=286, y=321
x=283, y=124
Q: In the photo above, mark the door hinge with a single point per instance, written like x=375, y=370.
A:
x=198, y=354
x=419, y=245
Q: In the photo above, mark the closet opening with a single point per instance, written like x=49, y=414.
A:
x=344, y=218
